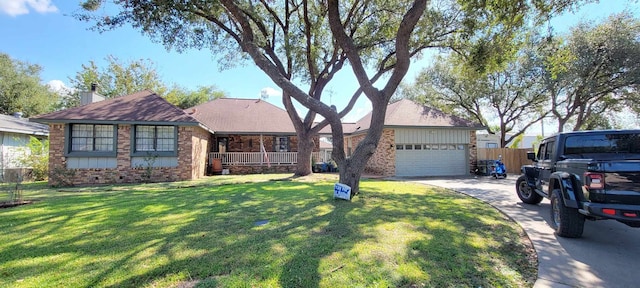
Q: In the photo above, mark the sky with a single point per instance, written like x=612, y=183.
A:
x=43, y=32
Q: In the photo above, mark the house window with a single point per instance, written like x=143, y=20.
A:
x=157, y=139
x=91, y=138
x=282, y=144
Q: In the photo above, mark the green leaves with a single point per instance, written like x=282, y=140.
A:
x=21, y=89
x=185, y=98
x=91, y=5
x=594, y=70
x=36, y=156
x=122, y=78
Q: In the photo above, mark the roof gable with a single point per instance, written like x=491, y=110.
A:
x=408, y=113
x=235, y=115
x=143, y=106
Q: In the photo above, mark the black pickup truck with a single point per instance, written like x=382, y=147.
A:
x=593, y=175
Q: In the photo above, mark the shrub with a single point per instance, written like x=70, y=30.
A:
x=36, y=157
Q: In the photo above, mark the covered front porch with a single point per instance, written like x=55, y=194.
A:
x=258, y=162
x=257, y=153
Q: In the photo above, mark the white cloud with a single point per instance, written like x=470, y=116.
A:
x=21, y=7
x=359, y=111
x=270, y=92
x=58, y=86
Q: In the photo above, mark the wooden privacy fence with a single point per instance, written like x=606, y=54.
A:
x=513, y=159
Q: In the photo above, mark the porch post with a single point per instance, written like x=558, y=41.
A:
x=262, y=150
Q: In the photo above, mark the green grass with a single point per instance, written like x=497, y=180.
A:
x=204, y=234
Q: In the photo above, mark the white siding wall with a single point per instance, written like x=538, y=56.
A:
x=157, y=162
x=432, y=136
x=111, y=162
x=91, y=162
x=12, y=146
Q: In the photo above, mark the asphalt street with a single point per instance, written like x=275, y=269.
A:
x=607, y=255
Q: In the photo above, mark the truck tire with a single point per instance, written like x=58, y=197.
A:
x=526, y=193
x=567, y=222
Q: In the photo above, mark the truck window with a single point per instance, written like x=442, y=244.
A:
x=603, y=143
x=548, y=151
x=540, y=154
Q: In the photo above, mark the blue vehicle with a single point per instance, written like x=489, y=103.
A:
x=498, y=169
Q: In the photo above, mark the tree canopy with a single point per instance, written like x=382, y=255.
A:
x=308, y=42
x=581, y=80
x=512, y=96
x=186, y=98
x=120, y=78
x=594, y=72
x=21, y=89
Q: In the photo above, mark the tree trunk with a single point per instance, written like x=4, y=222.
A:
x=351, y=168
x=305, y=148
x=350, y=176
x=561, y=123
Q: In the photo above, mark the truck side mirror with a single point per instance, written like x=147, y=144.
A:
x=532, y=156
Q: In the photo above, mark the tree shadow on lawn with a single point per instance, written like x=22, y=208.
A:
x=207, y=236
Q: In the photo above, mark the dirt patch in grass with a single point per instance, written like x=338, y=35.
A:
x=15, y=203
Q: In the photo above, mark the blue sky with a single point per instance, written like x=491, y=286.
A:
x=42, y=32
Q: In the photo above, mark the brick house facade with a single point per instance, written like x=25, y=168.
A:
x=383, y=160
x=191, y=160
x=129, y=139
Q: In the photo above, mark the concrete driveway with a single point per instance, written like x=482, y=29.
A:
x=607, y=255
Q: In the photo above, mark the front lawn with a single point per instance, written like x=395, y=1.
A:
x=248, y=231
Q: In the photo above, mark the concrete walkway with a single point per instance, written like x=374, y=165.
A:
x=608, y=254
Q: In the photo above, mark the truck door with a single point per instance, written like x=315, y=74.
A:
x=545, y=165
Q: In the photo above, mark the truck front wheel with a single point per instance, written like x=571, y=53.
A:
x=525, y=192
x=566, y=221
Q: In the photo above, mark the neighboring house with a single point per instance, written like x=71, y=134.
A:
x=250, y=136
x=129, y=139
x=418, y=141
x=486, y=140
x=15, y=133
x=326, y=148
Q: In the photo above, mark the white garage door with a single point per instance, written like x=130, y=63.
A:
x=448, y=160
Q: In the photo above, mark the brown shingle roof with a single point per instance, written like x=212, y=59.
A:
x=143, y=106
x=411, y=114
x=234, y=115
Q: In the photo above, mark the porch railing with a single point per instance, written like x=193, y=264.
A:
x=259, y=158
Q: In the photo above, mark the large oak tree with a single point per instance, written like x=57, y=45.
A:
x=594, y=71
x=301, y=45
x=514, y=96
x=21, y=89
x=119, y=78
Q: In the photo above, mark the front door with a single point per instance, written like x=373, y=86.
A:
x=222, y=144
